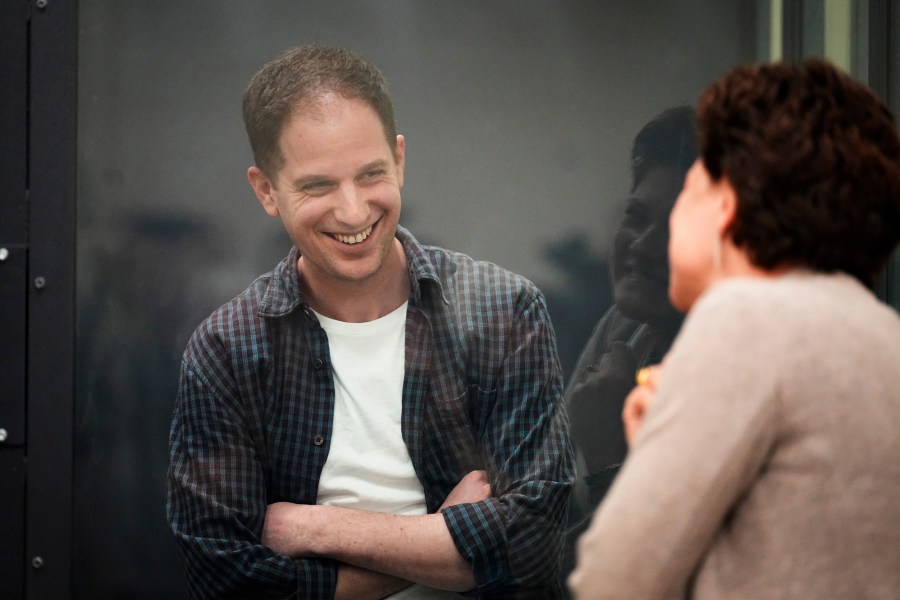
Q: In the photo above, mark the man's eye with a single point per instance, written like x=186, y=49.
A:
x=375, y=174
x=316, y=187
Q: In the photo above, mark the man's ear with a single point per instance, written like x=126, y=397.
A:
x=400, y=158
x=263, y=188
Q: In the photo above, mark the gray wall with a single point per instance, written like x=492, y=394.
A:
x=518, y=116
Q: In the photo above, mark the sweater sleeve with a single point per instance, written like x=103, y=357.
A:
x=703, y=440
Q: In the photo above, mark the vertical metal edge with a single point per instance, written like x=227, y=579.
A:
x=12, y=530
x=792, y=30
x=13, y=111
x=13, y=294
x=878, y=72
x=51, y=320
x=879, y=33
x=892, y=12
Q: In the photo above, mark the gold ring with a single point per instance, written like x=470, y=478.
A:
x=642, y=376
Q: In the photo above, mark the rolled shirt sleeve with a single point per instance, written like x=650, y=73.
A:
x=515, y=539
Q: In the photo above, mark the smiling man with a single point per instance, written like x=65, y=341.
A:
x=374, y=417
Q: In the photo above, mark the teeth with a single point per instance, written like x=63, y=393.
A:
x=354, y=239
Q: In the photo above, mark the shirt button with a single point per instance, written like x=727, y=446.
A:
x=318, y=364
x=318, y=440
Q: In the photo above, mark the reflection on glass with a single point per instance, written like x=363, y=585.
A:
x=640, y=326
x=516, y=114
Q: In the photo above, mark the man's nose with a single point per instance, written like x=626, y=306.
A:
x=352, y=207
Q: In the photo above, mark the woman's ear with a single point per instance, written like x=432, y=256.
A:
x=728, y=204
x=262, y=187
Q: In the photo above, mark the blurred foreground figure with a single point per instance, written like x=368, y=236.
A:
x=373, y=413
x=764, y=452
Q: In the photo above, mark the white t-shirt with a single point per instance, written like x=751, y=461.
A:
x=368, y=466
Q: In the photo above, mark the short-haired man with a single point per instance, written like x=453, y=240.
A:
x=373, y=413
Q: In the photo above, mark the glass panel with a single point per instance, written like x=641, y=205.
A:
x=519, y=119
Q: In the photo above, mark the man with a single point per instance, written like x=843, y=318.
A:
x=373, y=413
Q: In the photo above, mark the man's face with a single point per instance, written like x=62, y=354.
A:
x=338, y=190
x=639, y=266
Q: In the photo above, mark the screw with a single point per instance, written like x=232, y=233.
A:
x=3, y=434
x=41, y=4
x=37, y=562
x=40, y=283
x=4, y=254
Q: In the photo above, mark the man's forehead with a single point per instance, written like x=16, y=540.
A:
x=328, y=104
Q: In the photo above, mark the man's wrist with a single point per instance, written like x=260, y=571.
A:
x=313, y=516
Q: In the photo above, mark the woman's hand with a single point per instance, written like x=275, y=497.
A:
x=639, y=400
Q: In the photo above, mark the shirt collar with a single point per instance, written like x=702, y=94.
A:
x=423, y=273
x=283, y=293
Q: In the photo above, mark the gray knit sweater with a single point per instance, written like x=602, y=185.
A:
x=768, y=465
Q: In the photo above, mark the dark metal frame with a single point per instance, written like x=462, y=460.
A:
x=792, y=32
x=38, y=117
x=878, y=67
x=37, y=288
x=13, y=292
x=879, y=73
x=53, y=114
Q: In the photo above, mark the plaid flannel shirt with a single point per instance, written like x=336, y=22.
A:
x=482, y=390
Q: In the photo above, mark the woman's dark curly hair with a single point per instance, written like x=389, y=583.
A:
x=814, y=157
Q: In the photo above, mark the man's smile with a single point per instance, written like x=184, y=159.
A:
x=354, y=238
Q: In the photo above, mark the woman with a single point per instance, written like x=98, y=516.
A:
x=766, y=464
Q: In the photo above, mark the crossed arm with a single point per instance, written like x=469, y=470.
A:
x=379, y=553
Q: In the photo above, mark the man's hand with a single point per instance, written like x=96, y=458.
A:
x=282, y=529
x=639, y=400
x=474, y=487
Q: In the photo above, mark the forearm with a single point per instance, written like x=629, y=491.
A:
x=355, y=583
x=414, y=548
